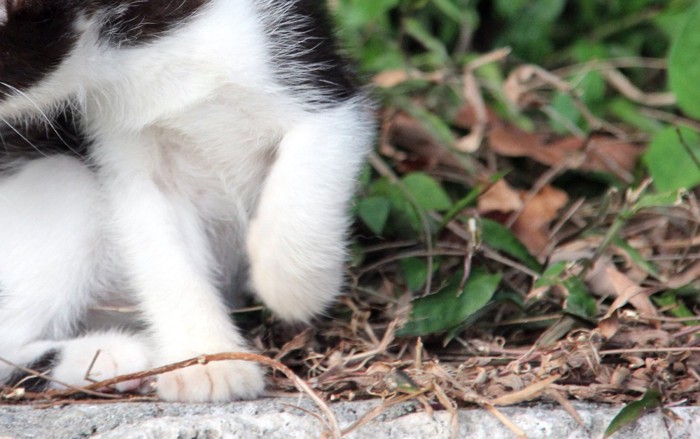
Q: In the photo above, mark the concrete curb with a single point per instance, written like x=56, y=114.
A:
x=292, y=418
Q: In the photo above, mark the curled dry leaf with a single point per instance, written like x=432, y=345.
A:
x=522, y=82
x=532, y=225
x=597, y=153
x=535, y=213
x=605, y=280
x=609, y=326
x=475, y=100
x=500, y=198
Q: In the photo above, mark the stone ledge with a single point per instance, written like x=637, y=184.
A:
x=283, y=419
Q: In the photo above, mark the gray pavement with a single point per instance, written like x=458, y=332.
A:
x=292, y=418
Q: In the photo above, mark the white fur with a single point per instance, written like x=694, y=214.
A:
x=196, y=143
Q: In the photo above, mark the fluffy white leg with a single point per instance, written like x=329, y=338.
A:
x=49, y=233
x=168, y=259
x=296, y=239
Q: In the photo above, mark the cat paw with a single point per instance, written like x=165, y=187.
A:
x=219, y=381
x=98, y=357
x=297, y=277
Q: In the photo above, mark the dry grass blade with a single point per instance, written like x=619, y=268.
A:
x=449, y=405
x=527, y=394
x=504, y=420
x=561, y=399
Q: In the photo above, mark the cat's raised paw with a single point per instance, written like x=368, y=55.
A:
x=214, y=382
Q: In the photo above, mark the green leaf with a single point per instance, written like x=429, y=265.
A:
x=470, y=198
x=417, y=30
x=665, y=199
x=632, y=412
x=566, y=114
x=415, y=273
x=683, y=66
x=669, y=161
x=451, y=306
x=579, y=301
x=631, y=114
x=435, y=125
x=461, y=204
x=359, y=13
x=450, y=10
x=374, y=212
x=403, y=219
x=676, y=307
x=552, y=275
x=501, y=238
x=634, y=255
x=427, y=192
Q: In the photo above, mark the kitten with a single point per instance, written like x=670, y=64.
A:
x=163, y=152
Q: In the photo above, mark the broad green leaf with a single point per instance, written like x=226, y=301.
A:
x=501, y=238
x=593, y=88
x=683, y=66
x=566, y=114
x=451, y=306
x=669, y=161
x=359, y=13
x=427, y=192
x=579, y=301
x=415, y=273
x=374, y=212
x=634, y=411
x=403, y=218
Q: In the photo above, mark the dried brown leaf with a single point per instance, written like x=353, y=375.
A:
x=500, y=198
x=597, y=153
x=605, y=280
x=532, y=226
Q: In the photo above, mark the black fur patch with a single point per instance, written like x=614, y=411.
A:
x=36, y=37
x=137, y=22
x=316, y=50
x=33, y=383
x=19, y=142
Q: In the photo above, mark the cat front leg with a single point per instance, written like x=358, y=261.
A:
x=169, y=262
x=296, y=240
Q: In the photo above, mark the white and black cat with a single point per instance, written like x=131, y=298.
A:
x=162, y=151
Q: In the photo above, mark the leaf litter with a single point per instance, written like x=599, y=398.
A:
x=522, y=290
